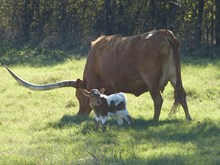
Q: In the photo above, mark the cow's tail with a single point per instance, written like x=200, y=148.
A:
x=178, y=87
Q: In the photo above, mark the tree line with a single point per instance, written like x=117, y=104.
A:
x=73, y=24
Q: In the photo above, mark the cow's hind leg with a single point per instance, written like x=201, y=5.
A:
x=119, y=120
x=180, y=98
x=123, y=114
x=130, y=120
x=158, y=101
x=183, y=102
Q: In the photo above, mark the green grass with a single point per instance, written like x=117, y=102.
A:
x=42, y=127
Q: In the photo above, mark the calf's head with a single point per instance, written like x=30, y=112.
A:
x=94, y=96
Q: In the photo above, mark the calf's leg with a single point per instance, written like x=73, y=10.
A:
x=124, y=114
x=130, y=120
x=96, y=124
x=119, y=120
x=104, y=123
x=97, y=120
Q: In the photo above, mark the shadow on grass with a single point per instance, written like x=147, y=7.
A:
x=69, y=121
x=140, y=124
x=179, y=131
x=165, y=160
x=117, y=158
x=204, y=135
x=165, y=130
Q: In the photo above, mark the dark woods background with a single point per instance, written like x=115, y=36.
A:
x=70, y=25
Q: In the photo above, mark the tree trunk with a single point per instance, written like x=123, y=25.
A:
x=212, y=24
x=62, y=21
x=217, y=22
x=37, y=28
x=198, y=30
x=153, y=6
x=107, y=17
x=26, y=20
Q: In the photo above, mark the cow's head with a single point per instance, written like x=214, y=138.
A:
x=94, y=96
x=80, y=85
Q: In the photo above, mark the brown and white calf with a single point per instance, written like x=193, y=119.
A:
x=105, y=106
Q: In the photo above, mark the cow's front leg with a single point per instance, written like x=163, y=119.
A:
x=97, y=120
x=96, y=124
x=104, y=123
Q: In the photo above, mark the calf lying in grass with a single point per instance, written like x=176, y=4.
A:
x=105, y=106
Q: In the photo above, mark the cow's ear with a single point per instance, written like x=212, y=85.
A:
x=102, y=90
x=86, y=93
x=80, y=84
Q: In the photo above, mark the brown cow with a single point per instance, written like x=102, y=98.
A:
x=134, y=64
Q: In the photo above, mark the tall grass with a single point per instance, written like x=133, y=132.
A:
x=43, y=128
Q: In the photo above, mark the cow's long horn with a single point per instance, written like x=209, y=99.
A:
x=61, y=84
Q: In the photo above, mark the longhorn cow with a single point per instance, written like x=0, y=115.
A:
x=133, y=64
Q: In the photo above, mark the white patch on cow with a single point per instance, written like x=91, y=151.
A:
x=111, y=114
x=149, y=35
x=120, y=115
x=95, y=91
x=169, y=70
x=98, y=119
x=104, y=119
x=104, y=96
x=173, y=77
x=172, y=69
x=116, y=98
x=119, y=120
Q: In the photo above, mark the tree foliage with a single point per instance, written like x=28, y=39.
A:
x=71, y=25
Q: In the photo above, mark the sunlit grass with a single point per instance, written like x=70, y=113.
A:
x=42, y=127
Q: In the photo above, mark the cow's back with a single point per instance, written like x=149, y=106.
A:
x=128, y=64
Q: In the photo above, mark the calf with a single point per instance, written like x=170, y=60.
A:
x=105, y=106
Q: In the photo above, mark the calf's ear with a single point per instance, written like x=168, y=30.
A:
x=102, y=90
x=86, y=93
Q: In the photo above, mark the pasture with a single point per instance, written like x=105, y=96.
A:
x=42, y=127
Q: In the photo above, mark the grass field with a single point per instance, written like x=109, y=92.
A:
x=42, y=127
